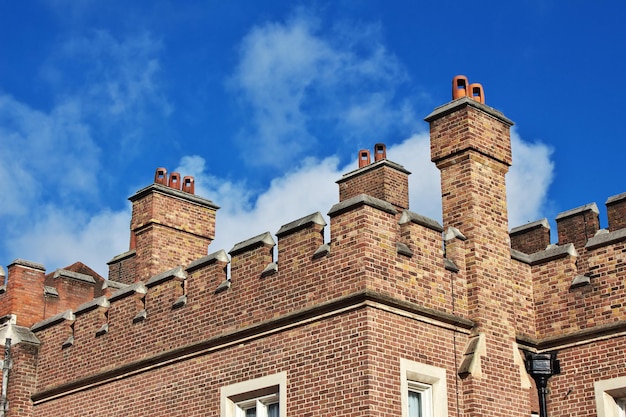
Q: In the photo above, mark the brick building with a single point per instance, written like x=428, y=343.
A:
x=395, y=315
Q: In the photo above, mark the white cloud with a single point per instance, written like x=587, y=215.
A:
x=528, y=180
x=50, y=165
x=308, y=188
x=424, y=181
x=116, y=83
x=300, y=85
x=60, y=236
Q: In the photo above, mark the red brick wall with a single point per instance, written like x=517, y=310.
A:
x=354, y=264
x=123, y=270
x=24, y=294
x=531, y=239
x=73, y=293
x=572, y=392
x=578, y=228
x=344, y=365
x=22, y=379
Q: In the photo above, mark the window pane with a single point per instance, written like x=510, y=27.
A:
x=415, y=404
x=621, y=407
x=251, y=412
x=272, y=410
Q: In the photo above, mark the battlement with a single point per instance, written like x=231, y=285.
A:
x=578, y=283
x=389, y=285
x=375, y=254
x=367, y=259
x=577, y=226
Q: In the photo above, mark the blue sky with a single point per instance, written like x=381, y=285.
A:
x=267, y=103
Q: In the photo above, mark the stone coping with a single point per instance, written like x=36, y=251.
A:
x=464, y=102
x=591, y=206
x=113, y=284
x=92, y=305
x=175, y=273
x=528, y=226
x=50, y=291
x=77, y=276
x=122, y=256
x=17, y=334
x=604, y=239
x=551, y=253
x=615, y=199
x=403, y=249
x=361, y=200
x=322, y=251
x=136, y=288
x=409, y=216
x=172, y=192
x=454, y=233
x=296, y=225
x=450, y=266
x=219, y=256
x=371, y=167
x=51, y=321
x=254, y=242
x=28, y=264
x=580, y=336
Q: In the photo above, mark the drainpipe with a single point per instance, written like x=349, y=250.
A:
x=6, y=366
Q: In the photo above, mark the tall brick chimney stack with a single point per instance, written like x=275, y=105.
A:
x=381, y=179
x=471, y=146
x=170, y=226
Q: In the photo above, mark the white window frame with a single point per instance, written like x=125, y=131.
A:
x=430, y=382
x=425, y=393
x=610, y=397
x=259, y=392
x=261, y=404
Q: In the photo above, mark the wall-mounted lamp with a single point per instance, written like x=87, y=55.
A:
x=541, y=366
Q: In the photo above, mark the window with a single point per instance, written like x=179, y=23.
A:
x=420, y=400
x=261, y=397
x=424, y=390
x=611, y=397
x=266, y=406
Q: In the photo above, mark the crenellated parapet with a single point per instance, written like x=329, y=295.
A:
x=576, y=226
x=578, y=283
x=374, y=253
